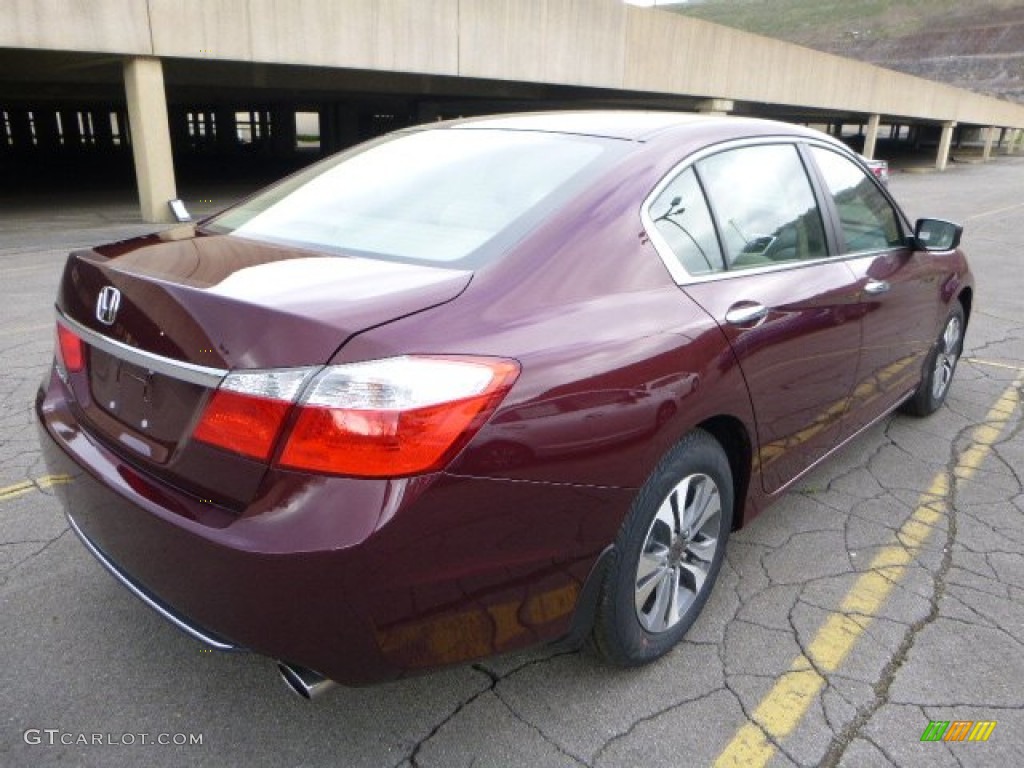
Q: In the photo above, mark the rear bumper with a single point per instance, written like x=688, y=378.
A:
x=181, y=622
x=360, y=580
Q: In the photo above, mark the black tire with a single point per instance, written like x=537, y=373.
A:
x=636, y=621
x=939, y=366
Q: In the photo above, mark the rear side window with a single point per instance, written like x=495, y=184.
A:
x=765, y=206
x=681, y=216
x=868, y=220
x=435, y=197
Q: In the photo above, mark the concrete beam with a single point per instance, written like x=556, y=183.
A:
x=871, y=136
x=151, y=136
x=942, y=159
x=598, y=43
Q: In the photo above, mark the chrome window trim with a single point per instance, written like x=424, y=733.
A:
x=166, y=366
x=669, y=259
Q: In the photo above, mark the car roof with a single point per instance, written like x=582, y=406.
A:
x=630, y=125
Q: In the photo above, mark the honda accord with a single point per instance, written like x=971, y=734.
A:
x=486, y=384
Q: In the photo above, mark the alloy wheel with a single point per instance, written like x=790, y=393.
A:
x=946, y=357
x=677, y=553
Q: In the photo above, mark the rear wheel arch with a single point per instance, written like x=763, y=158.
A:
x=966, y=299
x=735, y=440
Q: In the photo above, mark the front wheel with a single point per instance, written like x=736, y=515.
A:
x=667, y=555
x=939, y=366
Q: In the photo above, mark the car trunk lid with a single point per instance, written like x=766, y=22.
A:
x=165, y=317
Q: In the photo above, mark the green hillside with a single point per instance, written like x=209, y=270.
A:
x=974, y=44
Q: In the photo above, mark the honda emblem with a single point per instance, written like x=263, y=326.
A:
x=107, y=303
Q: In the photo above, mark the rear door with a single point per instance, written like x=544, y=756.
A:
x=899, y=289
x=788, y=310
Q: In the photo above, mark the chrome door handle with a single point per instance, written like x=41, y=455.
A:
x=749, y=314
x=875, y=287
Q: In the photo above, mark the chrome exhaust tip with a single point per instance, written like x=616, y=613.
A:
x=303, y=682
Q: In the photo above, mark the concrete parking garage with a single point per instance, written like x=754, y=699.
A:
x=160, y=94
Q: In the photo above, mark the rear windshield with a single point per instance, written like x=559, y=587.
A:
x=440, y=197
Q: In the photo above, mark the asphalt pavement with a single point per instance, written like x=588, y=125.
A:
x=884, y=593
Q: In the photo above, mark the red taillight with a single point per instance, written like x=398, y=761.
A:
x=384, y=418
x=382, y=443
x=71, y=350
x=246, y=412
x=241, y=423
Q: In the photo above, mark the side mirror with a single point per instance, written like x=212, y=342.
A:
x=937, y=235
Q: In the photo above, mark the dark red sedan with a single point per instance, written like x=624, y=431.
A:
x=485, y=384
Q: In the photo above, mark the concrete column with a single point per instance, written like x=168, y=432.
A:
x=1016, y=138
x=715, y=106
x=871, y=136
x=151, y=136
x=942, y=159
x=990, y=134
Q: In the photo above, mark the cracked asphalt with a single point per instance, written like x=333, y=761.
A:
x=886, y=590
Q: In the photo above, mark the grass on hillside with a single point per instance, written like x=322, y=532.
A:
x=826, y=23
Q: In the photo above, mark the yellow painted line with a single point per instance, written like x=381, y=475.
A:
x=993, y=212
x=995, y=364
x=781, y=710
x=28, y=486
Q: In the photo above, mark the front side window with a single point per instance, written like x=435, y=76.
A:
x=868, y=220
x=765, y=206
x=434, y=197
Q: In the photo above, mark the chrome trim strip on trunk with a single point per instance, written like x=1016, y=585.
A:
x=180, y=623
x=176, y=369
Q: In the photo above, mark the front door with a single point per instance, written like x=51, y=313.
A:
x=899, y=313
